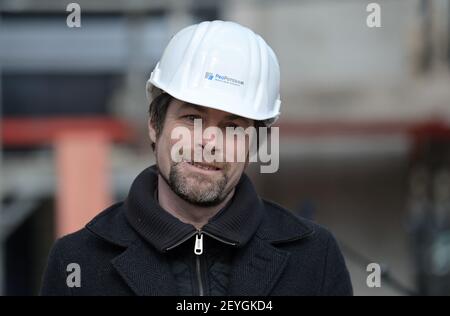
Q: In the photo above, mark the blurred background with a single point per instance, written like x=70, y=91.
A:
x=365, y=124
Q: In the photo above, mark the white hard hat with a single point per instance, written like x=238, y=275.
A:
x=221, y=65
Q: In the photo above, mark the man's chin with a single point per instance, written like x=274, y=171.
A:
x=203, y=203
x=200, y=195
x=201, y=191
x=195, y=187
x=200, y=187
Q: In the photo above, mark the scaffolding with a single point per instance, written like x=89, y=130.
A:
x=25, y=187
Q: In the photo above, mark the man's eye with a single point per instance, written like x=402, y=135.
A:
x=232, y=125
x=191, y=117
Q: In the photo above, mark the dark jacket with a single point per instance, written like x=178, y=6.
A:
x=250, y=247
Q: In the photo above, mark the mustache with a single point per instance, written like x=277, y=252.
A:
x=218, y=165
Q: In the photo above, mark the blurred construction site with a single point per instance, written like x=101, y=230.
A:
x=364, y=125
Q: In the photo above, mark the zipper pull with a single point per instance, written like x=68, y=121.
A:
x=198, y=249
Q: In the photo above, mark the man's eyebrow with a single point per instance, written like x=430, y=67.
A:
x=237, y=117
x=193, y=107
x=203, y=110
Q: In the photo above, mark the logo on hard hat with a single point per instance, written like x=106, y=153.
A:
x=209, y=75
x=224, y=79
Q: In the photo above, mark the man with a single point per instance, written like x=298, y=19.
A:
x=196, y=227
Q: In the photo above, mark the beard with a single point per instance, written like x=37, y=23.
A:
x=196, y=188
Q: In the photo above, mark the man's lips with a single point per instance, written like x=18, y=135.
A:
x=205, y=166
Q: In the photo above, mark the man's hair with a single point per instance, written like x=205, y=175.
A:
x=158, y=110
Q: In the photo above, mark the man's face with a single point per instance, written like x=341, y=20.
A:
x=200, y=183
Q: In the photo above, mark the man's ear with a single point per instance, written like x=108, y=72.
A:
x=151, y=131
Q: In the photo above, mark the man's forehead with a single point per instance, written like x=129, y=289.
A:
x=186, y=106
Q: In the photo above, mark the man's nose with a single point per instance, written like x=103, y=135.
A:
x=212, y=137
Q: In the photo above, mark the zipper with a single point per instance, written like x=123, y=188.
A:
x=198, y=247
x=198, y=250
x=200, y=232
x=199, y=276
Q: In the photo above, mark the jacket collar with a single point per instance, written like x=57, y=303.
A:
x=257, y=266
x=236, y=223
x=123, y=222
